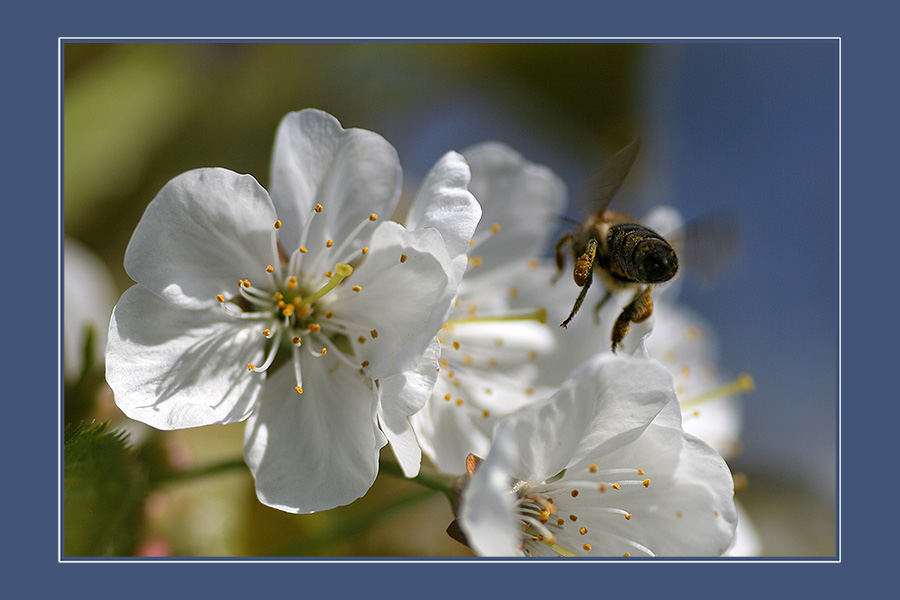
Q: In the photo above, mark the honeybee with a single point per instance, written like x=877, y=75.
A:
x=625, y=254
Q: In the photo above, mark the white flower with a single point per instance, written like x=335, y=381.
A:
x=487, y=350
x=603, y=468
x=292, y=311
x=89, y=295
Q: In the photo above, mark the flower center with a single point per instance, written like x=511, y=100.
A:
x=589, y=492
x=294, y=305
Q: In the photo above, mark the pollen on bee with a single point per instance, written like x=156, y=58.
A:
x=317, y=208
x=356, y=288
x=329, y=243
x=373, y=217
x=403, y=258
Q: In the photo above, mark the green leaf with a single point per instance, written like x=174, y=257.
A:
x=103, y=490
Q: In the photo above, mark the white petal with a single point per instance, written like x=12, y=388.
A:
x=523, y=198
x=402, y=396
x=350, y=172
x=487, y=509
x=405, y=302
x=89, y=296
x=172, y=367
x=205, y=230
x=686, y=510
x=316, y=450
x=605, y=404
x=445, y=203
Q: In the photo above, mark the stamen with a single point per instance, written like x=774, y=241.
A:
x=744, y=383
x=274, y=239
x=403, y=258
x=297, y=256
x=353, y=235
x=272, y=351
x=539, y=315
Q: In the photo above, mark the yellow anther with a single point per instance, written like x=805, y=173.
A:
x=641, y=472
x=616, y=486
x=486, y=414
x=302, y=311
x=403, y=258
x=573, y=518
x=278, y=295
x=627, y=554
x=270, y=269
x=587, y=547
x=295, y=340
x=303, y=250
x=601, y=488
x=544, y=516
x=365, y=250
x=646, y=483
x=450, y=374
x=560, y=522
x=471, y=242
x=532, y=354
x=329, y=243
x=267, y=332
x=459, y=401
x=329, y=274
x=456, y=345
x=356, y=288
x=373, y=217
x=582, y=530
x=364, y=364
x=298, y=389
x=447, y=397
x=529, y=391
x=323, y=351
x=281, y=304
x=593, y=468
x=278, y=224
x=329, y=314
x=361, y=340
x=318, y=208
x=250, y=366
x=220, y=298
x=627, y=516
x=374, y=333
x=533, y=264
x=495, y=228
x=574, y=493
x=314, y=327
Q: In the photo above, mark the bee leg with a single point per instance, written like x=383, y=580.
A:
x=583, y=275
x=639, y=309
x=564, y=243
x=600, y=304
x=578, y=302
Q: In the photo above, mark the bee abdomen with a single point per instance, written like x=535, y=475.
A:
x=640, y=254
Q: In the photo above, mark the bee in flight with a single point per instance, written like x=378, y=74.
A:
x=625, y=254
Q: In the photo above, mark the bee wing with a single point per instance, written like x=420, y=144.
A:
x=606, y=182
x=710, y=245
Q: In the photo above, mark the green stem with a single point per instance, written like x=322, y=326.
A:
x=440, y=483
x=200, y=472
